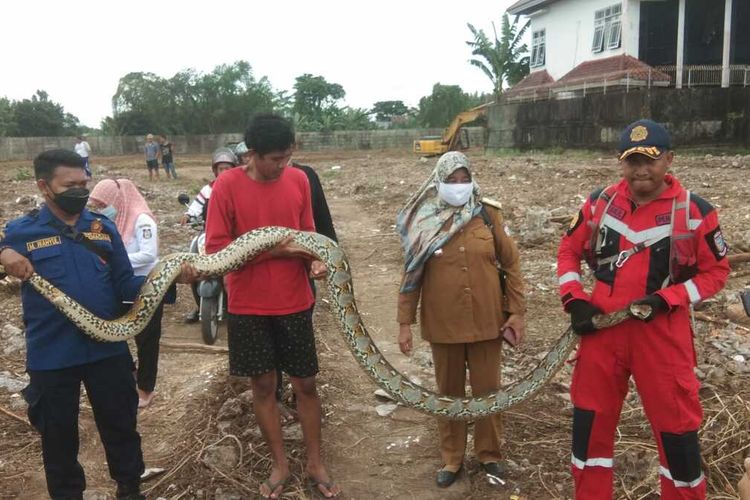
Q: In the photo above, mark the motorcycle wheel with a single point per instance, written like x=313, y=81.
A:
x=209, y=320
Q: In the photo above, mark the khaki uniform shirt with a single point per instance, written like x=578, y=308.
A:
x=461, y=296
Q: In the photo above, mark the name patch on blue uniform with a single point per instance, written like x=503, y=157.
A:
x=43, y=243
x=97, y=236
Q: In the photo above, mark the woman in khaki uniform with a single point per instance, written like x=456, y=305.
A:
x=452, y=241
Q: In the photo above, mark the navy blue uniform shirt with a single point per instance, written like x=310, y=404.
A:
x=52, y=341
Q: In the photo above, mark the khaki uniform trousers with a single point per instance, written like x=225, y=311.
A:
x=483, y=361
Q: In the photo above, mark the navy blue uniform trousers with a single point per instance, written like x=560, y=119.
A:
x=53, y=397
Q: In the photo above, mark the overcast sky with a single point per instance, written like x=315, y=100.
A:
x=377, y=50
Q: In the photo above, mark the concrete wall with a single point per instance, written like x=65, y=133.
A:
x=569, y=33
x=26, y=148
x=702, y=116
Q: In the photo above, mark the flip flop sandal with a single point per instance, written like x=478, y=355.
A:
x=272, y=486
x=314, y=483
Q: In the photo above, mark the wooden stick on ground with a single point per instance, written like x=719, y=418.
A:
x=190, y=346
x=14, y=416
x=710, y=319
x=738, y=258
x=561, y=219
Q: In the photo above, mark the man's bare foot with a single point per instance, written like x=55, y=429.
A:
x=321, y=482
x=275, y=484
x=145, y=398
x=288, y=415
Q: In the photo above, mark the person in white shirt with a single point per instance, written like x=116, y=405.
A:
x=120, y=201
x=84, y=151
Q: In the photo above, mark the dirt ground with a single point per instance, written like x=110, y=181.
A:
x=201, y=431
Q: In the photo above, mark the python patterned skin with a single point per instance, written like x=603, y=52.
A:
x=340, y=286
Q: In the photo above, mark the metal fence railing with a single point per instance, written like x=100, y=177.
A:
x=709, y=75
x=692, y=76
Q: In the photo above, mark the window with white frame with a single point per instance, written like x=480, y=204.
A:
x=607, y=28
x=537, y=48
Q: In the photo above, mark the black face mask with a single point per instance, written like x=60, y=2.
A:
x=73, y=200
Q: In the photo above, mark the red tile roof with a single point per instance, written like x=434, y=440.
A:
x=537, y=80
x=611, y=69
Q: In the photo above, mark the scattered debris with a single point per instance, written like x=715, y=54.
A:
x=386, y=409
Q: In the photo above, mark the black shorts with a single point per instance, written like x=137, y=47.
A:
x=261, y=344
x=152, y=164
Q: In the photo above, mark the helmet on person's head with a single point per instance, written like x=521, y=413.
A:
x=240, y=149
x=223, y=155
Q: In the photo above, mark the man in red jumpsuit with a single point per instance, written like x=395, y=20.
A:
x=650, y=242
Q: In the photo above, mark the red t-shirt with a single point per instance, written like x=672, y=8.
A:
x=239, y=204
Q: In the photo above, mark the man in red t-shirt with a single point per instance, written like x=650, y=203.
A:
x=270, y=321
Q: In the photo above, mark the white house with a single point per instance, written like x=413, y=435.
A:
x=576, y=39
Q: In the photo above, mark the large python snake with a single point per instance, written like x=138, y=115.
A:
x=340, y=286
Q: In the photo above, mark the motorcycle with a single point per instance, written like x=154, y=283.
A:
x=210, y=291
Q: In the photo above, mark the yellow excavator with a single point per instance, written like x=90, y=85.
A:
x=454, y=138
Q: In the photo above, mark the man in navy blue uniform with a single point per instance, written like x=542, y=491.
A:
x=81, y=253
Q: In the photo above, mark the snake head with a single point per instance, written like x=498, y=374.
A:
x=640, y=311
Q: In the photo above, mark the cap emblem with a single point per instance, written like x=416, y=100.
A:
x=639, y=133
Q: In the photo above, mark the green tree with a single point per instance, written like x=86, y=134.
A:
x=230, y=94
x=503, y=60
x=445, y=102
x=384, y=111
x=189, y=102
x=356, y=119
x=7, y=123
x=314, y=98
x=283, y=103
x=142, y=104
x=40, y=117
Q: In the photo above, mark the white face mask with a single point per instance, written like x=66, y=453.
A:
x=456, y=194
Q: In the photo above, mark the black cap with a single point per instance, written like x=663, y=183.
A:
x=644, y=137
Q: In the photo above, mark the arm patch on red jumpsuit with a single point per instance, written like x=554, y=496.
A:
x=717, y=244
x=577, y=220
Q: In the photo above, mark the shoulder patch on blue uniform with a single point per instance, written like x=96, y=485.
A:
x=704, y=206
x=97, y=236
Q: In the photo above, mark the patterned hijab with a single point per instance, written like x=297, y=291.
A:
x=125, y=197
x=422, y=220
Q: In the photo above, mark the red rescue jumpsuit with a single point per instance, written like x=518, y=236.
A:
x=660, y=354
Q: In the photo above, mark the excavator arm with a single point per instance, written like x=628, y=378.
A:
x=450, y=134
x=449, y=141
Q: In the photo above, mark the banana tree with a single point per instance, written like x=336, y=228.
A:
x=504, y=60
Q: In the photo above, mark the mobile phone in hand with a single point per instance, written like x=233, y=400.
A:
x=510, y=336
